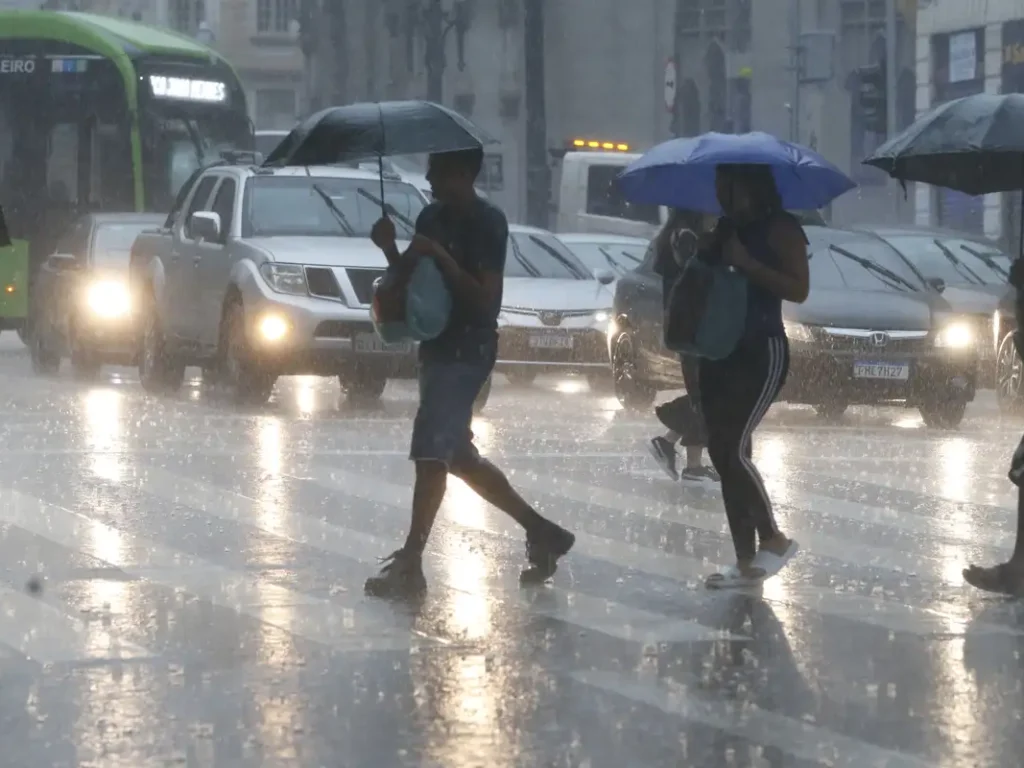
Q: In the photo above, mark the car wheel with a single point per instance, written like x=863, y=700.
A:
x=159, y=372
x=831, y=410
x=362, y=387
x=629, y=389
x=1009, y=376
x=521, y=378
x=44, y=361
x=248, y=383
x=482, y=396
x=944, y=414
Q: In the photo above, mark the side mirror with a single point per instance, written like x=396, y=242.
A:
x=204, y=225
x=937, y=284
x=604, y=276
x=62, y=262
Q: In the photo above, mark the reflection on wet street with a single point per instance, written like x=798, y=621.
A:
x=202, y=566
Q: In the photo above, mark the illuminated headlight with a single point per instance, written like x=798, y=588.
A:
x=109, y=298
x=798, y=332
x=956, y=336
x=285, y=278
x=272, y=328
x=996, y=330
x=601, y=317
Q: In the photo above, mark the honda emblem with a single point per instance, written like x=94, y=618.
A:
x=879, y=339
x=551, y=318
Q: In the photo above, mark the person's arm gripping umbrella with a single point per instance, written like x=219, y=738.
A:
x=791, y=281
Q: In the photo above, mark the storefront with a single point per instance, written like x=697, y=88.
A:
x=958, y=70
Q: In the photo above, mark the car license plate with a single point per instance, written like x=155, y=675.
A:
x=551, y=342
x=874, y=370
x=371, y=342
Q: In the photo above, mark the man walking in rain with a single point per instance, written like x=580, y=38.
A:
x=467, y=237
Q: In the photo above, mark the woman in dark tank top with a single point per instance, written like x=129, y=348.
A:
x=757, y=238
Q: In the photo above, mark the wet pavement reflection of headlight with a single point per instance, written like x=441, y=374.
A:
x=109, y=298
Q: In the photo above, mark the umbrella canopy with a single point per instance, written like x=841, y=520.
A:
x=973, y=145
x=681, y=172
x=359, y=131
x=5, y=236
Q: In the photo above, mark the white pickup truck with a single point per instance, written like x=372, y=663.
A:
x=259, y=273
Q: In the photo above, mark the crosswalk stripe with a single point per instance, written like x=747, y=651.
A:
x=799, y=739
x=45, y=633
x=587, y=612
x=305, y=616
x=884, y=613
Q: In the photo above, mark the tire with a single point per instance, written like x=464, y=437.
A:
x=521, y=378
x=361, y=387
x=944, y=414
x=159, y=371
x=633, y=393
x=1009, y=377
x=44, y=361
x=832, y=410
x=483, y=396
x=247, y=382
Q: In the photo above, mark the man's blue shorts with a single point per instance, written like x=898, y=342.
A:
x=448, y=389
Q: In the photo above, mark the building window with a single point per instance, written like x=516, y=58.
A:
x=187, y=15
x=275, y=109
x=275, y=17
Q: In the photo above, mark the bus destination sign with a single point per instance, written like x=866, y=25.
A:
x=22, y=66
x=186, y=89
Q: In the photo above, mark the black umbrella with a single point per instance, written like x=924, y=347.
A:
x=360, y=131
x=5, y=235
x=974, y=145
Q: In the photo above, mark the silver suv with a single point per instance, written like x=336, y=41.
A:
x=262, y=272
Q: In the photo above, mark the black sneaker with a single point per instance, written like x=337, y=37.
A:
x=401, y=576
x=665, y=454
x=700, y=476
x=543, y=548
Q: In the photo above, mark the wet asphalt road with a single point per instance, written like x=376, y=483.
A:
x=202, y=568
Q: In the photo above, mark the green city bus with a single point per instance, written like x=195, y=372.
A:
x=100, y=114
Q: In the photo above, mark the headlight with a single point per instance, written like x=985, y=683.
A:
x=602, y=316
x=285, y=278
x=798, y=332
x=109, y=298
x=996, y=330
x=956, y=336
x=272, y=328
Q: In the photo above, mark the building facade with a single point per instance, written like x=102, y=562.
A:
x=965, y=47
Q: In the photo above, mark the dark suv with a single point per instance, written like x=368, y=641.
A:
x=872, y=332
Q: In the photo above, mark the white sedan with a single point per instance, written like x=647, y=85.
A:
x=555, y=311
x=602, y=252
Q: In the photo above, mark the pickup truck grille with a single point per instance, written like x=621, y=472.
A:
x=362, y=282
x=322, y=283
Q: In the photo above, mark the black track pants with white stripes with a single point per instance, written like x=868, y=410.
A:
x=735, y=395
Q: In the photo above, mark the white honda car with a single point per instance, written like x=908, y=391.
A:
x=555, y=311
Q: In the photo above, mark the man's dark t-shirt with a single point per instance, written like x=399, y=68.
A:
x=477, y=238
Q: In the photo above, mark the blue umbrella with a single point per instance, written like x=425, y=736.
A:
x=681, y=173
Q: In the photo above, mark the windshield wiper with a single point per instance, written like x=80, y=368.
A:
x=614, y=263
x=877, y=269
x=958, y=265
x=571, y=268
x=390, y=209
x=522, y=260
x=342, y=219
x=987, y=260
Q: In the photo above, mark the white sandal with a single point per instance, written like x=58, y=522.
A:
x=732, y=578
x=771, y=563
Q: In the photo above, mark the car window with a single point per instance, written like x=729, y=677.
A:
x=326, y=206
x=986, y=261
x=544, y=256
x=112, y=243
x=844, y=267
x=925, y=254
x=618, y=257
x=200, y=199
x=224, y=206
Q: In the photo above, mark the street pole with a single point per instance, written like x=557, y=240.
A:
x=891, y=65
x=538, y=173
x=795, y=29
x=433, y=20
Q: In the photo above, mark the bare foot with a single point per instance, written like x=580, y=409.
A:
x=777, y=544
x=1004, y=579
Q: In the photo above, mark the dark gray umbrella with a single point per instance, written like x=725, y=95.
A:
x=5, y=236
x=974, y=145
x=360, y=131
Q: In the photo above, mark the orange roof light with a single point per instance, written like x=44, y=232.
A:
x=607, y=146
